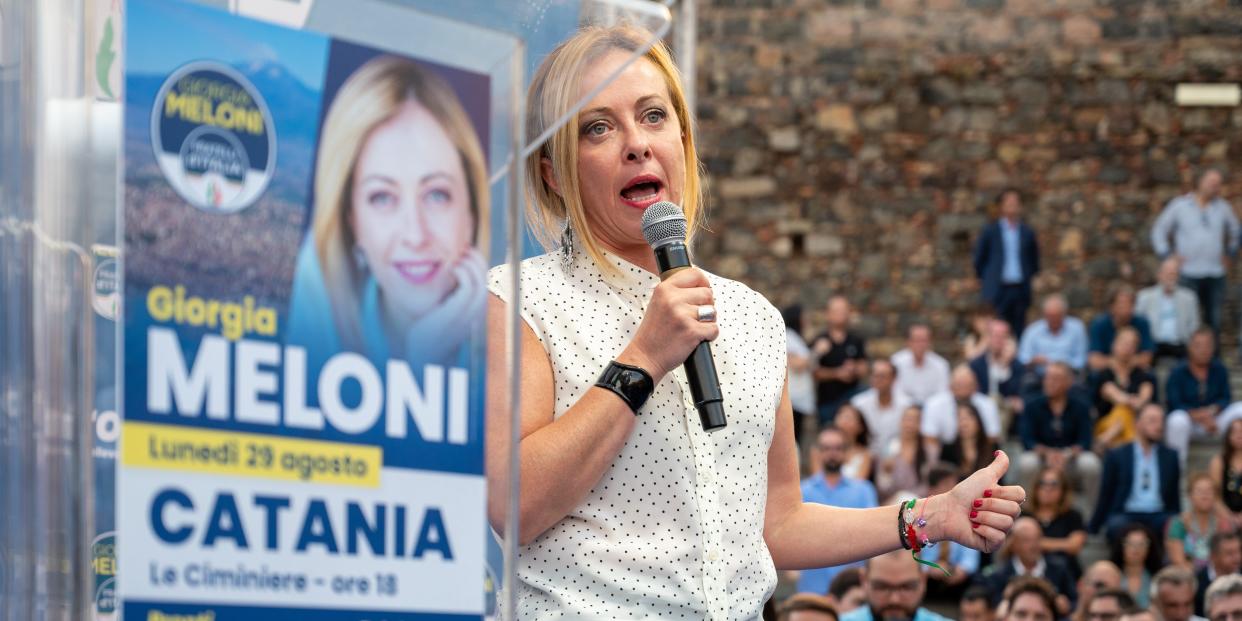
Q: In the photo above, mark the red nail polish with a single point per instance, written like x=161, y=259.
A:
x=974, y=525
x=974, y=514
x=996, y=453
x=978, y=503
x=987, y=493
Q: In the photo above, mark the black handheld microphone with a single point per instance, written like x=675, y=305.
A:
x=664, y=226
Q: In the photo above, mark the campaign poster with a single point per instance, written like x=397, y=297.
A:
x=304, y=222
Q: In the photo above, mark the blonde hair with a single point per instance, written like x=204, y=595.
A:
x=553, y=92
x=370, y=97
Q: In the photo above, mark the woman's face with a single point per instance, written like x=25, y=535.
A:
x=849, y=422
x=410, y=209
x=910, y=422
x=966, y=425
x=630, y=152
x=1049, y=489
x=1203, y=495
x=1135, y=547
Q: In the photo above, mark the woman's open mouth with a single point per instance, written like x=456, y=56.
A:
x=417, y=272
x=642, y=191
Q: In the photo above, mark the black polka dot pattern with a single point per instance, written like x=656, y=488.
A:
x=674, y=529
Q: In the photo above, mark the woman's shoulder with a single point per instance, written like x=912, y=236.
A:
x=738, y=292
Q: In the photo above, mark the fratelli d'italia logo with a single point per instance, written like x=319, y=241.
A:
x=213, y=137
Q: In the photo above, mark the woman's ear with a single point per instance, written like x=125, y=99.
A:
x=549, y=174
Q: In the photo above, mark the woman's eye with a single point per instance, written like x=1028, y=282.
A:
x=382, y=199
x=596, y=129
x=439, y=197
x=654, y=116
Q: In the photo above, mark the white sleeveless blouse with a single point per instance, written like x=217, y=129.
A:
x=674, y=528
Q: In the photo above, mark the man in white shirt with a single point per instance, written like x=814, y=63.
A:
x=1171, y=309
x=921, y=372
x=881, y=406
x=939, y=424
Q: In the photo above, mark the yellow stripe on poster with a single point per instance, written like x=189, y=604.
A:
x=191, y=449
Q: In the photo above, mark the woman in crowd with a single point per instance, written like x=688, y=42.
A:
x=1187, y=535
x=1139, y=556
x=801, y=364
x=391, y=268
x=904, y=471
x=858, y=441
x=1052, y=505
x=1121, y=390
x=628, y=508
x=975, y=341
x=972, y=447
x=1226, y=470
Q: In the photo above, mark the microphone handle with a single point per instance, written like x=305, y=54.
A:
x=700, y=368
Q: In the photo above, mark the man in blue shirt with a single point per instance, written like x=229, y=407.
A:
x=1105, y=326
x=1006, y=259
x=830, y=487
x=1055, y=338
x=1056, y=430
x=1200, y=402
x=895, y=587
x=1141, y=479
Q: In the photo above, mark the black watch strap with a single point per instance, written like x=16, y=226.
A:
x=631, y=383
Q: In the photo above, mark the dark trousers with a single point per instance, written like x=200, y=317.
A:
x=1011, y=304
x=1173, y=351
x=1211, y=293
x=1153, y=521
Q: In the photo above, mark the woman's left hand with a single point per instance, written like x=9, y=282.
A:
x=977, y=512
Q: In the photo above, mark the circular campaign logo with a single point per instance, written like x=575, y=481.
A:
x=213, y=137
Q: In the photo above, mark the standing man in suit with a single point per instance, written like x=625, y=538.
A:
x=1006, y=260
x=1141, y=480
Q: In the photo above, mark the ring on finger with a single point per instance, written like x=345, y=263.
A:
x=707, y=313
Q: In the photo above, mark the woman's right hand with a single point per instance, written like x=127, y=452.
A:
x=670, y=329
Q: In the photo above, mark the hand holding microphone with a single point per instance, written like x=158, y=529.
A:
x=683, y=308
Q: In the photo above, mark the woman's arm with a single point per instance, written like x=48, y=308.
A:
x=1176, y=550
x=1071, y=544
x=803, y=535
x=1113, y=393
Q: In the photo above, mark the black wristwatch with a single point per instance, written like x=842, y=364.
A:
x=631, y=383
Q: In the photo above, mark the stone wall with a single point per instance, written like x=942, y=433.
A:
x=857, y=146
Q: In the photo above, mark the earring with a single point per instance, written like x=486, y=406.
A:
x=567, y=246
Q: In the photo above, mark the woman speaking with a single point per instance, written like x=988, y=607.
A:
x=628, y=508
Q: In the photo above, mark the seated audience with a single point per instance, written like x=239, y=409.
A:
x=921, y=372
x=881, y=406
x=902, y=471
x=841, y=360
x=857, y=443
x=1024, y=558
x=961, y=562
x=1105, y=326
x=1056, y=337
x=1141, y=480
x=976, y=605
x=1199, y=395
x=1186, y=538
x=1173, y=594
x=801, y=365
x=1226, y=469
x=1099, y=576
x=998, y=373
x=939, y=424
x=1171, y=310
x=1224, y=559
x=1030, y=598
x=1056, y=431
x=1121, y=389
x=1109, y=605
x=972, y=449
x=1224, y=599
x=1138, y=554
x=895, y=589
x=1051, y=504
x=831, y=487
x=847, y=591
x=806, y=607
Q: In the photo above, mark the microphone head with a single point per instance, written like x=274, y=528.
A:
x=664, y=223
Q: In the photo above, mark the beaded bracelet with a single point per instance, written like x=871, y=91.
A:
x=910, y=539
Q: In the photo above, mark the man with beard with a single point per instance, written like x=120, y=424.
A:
x=1141, y=480
x=830, y=487
x=895, y=587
